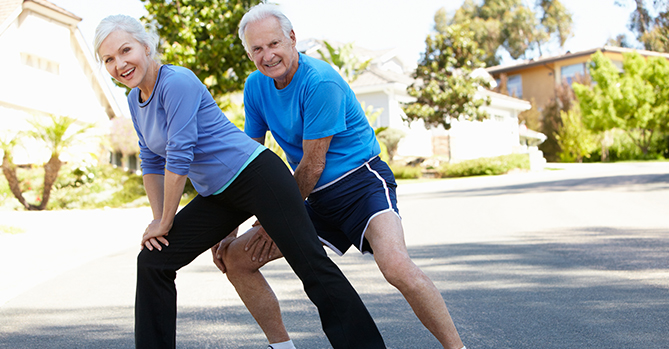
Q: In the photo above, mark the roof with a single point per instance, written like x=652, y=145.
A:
x=54, y=7
x=376, y=76
x=546, y=60
x=10, y=9
x=7, y=7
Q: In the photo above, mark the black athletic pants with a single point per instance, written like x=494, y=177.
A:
x=267, y=190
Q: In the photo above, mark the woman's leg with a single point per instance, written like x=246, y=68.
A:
x=197, y=227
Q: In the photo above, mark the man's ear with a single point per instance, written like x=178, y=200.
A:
x=292, y=38
x=249, y=55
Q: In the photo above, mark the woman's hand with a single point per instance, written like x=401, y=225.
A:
x=154, y=235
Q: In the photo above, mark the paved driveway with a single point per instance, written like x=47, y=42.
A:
x=572, y=258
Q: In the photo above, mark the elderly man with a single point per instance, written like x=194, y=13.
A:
x=315, y=117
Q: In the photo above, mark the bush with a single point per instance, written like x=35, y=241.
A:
x=77, y=187
x=624, y=149
x=406, y=172
x=486, y=166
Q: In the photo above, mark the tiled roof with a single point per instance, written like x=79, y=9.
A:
x=545, y=60
x=7, y=7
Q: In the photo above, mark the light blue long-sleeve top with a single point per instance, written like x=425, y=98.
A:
x=181, y=128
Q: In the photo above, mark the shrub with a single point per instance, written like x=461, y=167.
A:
x=406, y=172
x=486, y=166
x=78, y=187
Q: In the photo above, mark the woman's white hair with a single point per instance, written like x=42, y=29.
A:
x=131, y=26
x=262, y=11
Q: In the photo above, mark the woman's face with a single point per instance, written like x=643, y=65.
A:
x=126, y=59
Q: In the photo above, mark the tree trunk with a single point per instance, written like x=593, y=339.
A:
x=51, y=170
x=9, y=170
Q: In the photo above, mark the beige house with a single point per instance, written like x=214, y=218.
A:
x=47, y=68
x=536, y=79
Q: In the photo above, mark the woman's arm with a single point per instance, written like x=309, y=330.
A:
x=164, y=193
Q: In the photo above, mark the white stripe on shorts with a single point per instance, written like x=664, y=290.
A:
x=390, y=204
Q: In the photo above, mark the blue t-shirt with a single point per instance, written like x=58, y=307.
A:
x=181, y=128
x=316, y=104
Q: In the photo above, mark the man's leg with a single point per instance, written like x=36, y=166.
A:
x=386, y=237
x=254, y=290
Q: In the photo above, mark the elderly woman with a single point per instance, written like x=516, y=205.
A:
x=183, y=134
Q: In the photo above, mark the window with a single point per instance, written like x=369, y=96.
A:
x=514, y=85
x=569, y=72
x=40, y=63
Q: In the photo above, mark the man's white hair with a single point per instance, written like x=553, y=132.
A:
x=262, y=11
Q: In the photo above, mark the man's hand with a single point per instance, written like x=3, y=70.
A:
x=261, y=245
x=218, y=251
x=153, y=234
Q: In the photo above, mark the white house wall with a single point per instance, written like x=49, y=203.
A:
x=28, y=89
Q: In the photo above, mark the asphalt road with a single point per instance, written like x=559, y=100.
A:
x=571, y=258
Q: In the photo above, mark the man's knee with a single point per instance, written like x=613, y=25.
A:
x=401, y=272
x=237, y=261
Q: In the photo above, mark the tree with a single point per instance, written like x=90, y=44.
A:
x=344, y=60
x=650, y=22
x=636, y=101
x=512, y=25
x=445, y=87
x=202, y=36
x=57, y=136
x=575, y=140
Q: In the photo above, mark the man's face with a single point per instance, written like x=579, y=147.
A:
x=272, y=52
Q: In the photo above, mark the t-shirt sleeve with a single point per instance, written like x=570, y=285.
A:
x=254, y=124
x=324, y=111
x=181, y=98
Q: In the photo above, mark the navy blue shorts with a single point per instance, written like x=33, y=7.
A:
x=341, y=211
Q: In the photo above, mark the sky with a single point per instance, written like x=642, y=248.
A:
x=381, y=24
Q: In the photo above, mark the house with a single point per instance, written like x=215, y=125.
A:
x=47, y=68
x=536, y=79
x=383, y=85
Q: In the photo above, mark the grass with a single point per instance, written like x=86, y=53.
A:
x=12, y=230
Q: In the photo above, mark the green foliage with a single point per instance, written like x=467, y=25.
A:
x=531, y=117
x=512, y=25
x=10, y=229
x=623, y=148
x=202, y=36
x=445, y=88
x=80, y=187
x=59, y=133
x=347, y=64
x=575, y=140
x=406, y=172
x=486, y=166
x=390, y=137
x=636, y=101
x=652, y=32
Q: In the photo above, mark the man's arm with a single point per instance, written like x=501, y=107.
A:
x=312, y=164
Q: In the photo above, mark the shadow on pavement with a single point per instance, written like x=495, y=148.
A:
x=647, y=182
x=582, y=288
